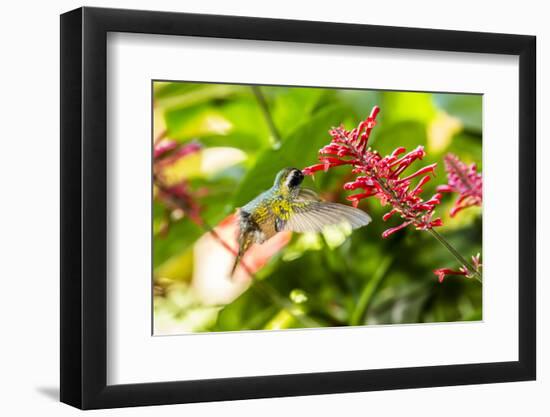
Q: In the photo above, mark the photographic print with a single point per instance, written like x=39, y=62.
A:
x=281, y=207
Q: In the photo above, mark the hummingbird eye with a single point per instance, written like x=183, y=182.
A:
x=295, y=178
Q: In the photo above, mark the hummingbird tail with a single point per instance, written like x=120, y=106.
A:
x=235, y=264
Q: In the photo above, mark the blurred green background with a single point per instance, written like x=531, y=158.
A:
x=328, y=279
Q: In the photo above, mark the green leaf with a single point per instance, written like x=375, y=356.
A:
x=238, y=123
x=361, y=101
x=249, y=311
x=468, y=148
x=189, y=123
x=181, y=235
x=406, y=106
x=408, y=133
x=249, y=125
x=467, y=107
x=250, y=143
x=184, y=95
x=300, y=149
x=166, y=89
x=292, y=106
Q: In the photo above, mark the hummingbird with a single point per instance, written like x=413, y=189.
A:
x=286, y=206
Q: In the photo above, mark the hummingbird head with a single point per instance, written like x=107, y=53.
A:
x=289, y=179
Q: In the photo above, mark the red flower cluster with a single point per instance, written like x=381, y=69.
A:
x=175, y=196
x=464, y=180
x=463, y=270
x=381, y=176
x=168, y=151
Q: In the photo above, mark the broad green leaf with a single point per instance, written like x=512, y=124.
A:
x=408, y=133
x=361, y=101
x=250, y=311
x=468, y=148
x=238, y=123
x=195, y=122
x=299, y=150
x=248, y=142
x=293, y=105
x=247, y=120
x=177, y=268
x=180, y=236
x=165, y=89
x=467, y=107
x=184, y=95
x=399, y=107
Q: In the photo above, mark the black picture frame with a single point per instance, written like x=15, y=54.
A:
x=84, y=207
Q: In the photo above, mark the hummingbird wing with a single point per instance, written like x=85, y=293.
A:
x=310, y=214
x=307, y=194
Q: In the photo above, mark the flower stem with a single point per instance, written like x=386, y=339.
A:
x=369, y=290
x=275, y=136
x=455, y=253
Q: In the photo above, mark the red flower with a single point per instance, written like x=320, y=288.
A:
x=166, y=152
x=163, y=146
x=177, y=197
x=381, y=177
x=463, y=270
x=464, y=180
x=443, y=272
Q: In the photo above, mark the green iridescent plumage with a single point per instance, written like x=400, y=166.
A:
x=287, y=206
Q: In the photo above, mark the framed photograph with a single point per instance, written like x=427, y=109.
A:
x=258, y=208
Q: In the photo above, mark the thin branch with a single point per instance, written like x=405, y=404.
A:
x=456, y=254
x=276, y=137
